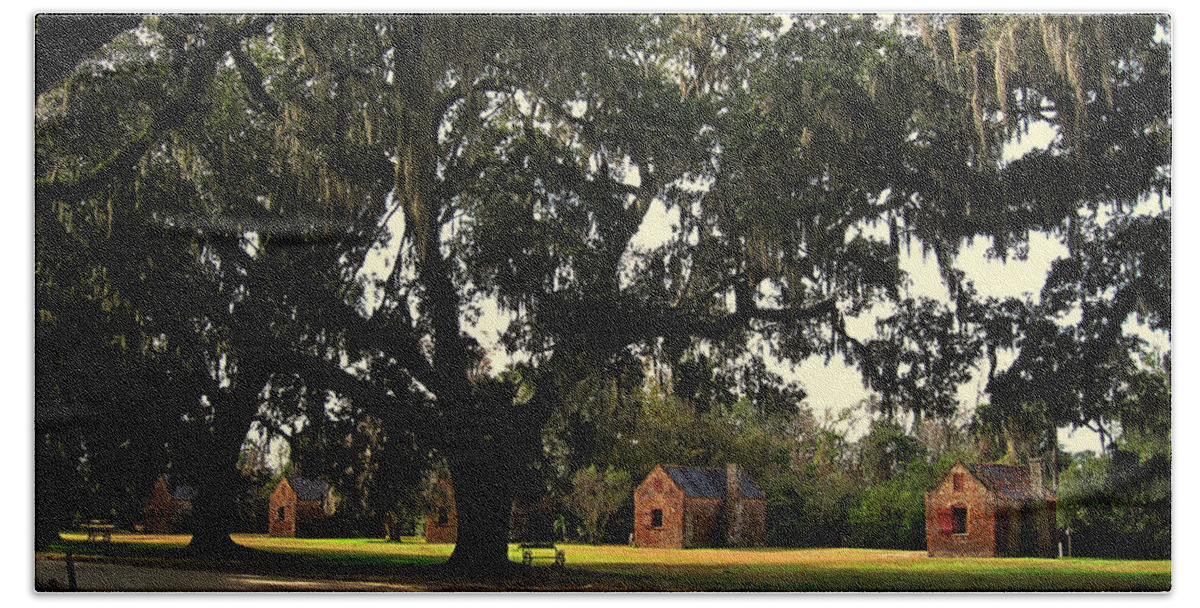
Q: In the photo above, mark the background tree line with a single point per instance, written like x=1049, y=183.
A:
x=828, y=483
x=257, y=220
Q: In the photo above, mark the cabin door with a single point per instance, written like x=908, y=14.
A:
x=1028, y=533
x=1003, y=531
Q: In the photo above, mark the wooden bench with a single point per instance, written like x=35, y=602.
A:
x=532, y=551
x=98, y=530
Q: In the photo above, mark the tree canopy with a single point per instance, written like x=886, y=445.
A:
x=267, y=214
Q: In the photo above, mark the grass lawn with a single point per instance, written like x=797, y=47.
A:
x=614, y=567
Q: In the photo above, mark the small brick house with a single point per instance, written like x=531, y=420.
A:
x=682, y=507
x=168, y=510
x=300, y=507
x=441, y=524
x=991, y=510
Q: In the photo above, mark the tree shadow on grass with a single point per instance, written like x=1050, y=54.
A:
x=429, y=572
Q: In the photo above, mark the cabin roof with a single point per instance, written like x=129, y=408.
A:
x=179, y=491
x=1007, y=481
x=308, y=489
x=710, y=482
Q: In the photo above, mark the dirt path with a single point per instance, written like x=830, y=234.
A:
x=92, y=576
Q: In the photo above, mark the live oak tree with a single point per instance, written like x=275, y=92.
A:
x=466, y=160
x=149, y=228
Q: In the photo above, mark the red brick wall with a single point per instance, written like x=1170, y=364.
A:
x=284, y=497
x=310, y=518
x=980, y=537
x=448, y=532
x=994, y=525
x=181, y=515
x=657, y=491
x=1042, y=530
x=158, y=509
x=1047, y=528
x=753, y=532
x=700, y=522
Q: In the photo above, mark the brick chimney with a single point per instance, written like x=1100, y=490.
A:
x=1035, y=476
x=733, y=504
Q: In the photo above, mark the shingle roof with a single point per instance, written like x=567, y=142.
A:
x=308, y=489
x=1007, y=481
x=710, y=483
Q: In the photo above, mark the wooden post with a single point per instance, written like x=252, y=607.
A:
x=1054, y=437
x=71, y=573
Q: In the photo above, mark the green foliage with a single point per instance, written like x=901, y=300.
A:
x=596, y=496
x=892, y=512
x=1117, y=505
x=805, y=509
x=809, y=500
x=919, y=359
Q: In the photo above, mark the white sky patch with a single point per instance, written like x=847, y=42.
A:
x=492, y=324
x=658, y=227
x=924, y=280
x=381, y=258
x=1041, y=134
x=1012, y=277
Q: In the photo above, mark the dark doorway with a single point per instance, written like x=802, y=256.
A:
x=1003, y=530
x=1028, y=534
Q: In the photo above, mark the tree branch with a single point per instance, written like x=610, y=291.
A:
x=252, y=77
x=170, y=117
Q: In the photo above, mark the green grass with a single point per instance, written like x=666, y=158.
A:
x=624, y=568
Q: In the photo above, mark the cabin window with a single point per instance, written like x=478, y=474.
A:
x=656, y=518
x=282, y=514
x=959, y=522
x=443, y=516
x=657, y=483
x=958, y=482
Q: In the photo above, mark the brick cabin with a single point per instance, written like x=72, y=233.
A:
x=299, y=507
x=991, y=510
x=682, y=507
x=441, y=525
x=167, y=510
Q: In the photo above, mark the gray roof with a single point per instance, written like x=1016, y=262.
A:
x=710, y=483
x=308, y=489
x=1008, y=481
x=181, y=491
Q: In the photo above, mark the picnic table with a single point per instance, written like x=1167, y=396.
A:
x=98, y=530
x=543, y=550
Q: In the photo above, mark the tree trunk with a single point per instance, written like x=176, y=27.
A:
x=483, y=495
x=50, y=500
x=214, y=507
x=218, y=483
